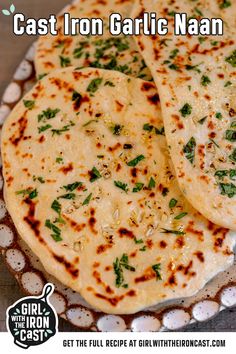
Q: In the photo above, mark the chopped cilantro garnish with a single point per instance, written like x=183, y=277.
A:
x=189, y=150
x=59, y=160
x=48, y=114
x=67, y=196
x=64, y=61
x=43, y=128
x=202, y=120
x=186, y=110
x=94, y=174
x=109, y=83
x=173, y=66
x=175, y=232
x=31, y=193
x=224, y=4
x=156, y=268
x=87, y=200
x=41, y=76
x=29, y=104
x=66, y=128
x=193, y=67
x=135, y=161
x=72, y=186
x=173, y=53
x=233, y=155
x=218, y=115
x=228, y=189
x=138, y=187
x=230, y=135
x=152, y=183
x=118, y=266
x=228, y=83
x=94, y=85
x=172, y=203
x=232, y=59
x=56, y=231
x=205, y=80
x=138, y=241
x=121, y=185
x=76, y=97
x=180, y=216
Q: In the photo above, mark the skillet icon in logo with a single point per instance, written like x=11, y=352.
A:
x=32, y=320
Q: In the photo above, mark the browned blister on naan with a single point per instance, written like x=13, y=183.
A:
x=90, y=189
x=196, y=80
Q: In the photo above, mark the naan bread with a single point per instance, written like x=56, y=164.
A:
x=107, y=52
x=196, y=80
x=90, y=189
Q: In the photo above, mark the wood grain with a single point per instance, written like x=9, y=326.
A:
x=12, y=49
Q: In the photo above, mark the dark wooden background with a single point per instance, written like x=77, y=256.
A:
x=12, y=49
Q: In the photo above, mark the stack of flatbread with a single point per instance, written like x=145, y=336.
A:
x=120, y=164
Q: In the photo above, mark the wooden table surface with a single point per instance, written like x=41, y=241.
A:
x=12, y=49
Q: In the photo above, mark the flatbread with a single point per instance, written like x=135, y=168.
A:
x=89, y=187
x=107, y=52
x=196, y=80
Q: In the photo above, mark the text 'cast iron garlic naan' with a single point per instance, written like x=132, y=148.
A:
x=90, y=189
x=196, y=80
x=109, y=52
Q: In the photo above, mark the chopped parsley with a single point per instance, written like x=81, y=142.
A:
x=56, y=206
x=135, y=161
x=228, y=189
x=94, y=175
x=87, y=200
x=121, y=185
x=172, y=203
x=94, y=85
x=218, y=115
x=118, y=266
x=56, y=235
x=67, y=196
x=175, y=232
x=64, y=61
x=76, y=97
x=43, y=128
x=224, y=4
x=173, y=53
x=72, y=186
x=173, y=66
x=180, y=216
x=138, y=241
x=40, y=179
x=230, y=135
x=189, y=149
x=228, y=83
x=156, y=268
x=149, y=127
x=109, y=83
x=64, y=129
x=205, y=80
x=59, y=160
x=193, y=67
x=233, y=156
x=48, y=114
x=41, y=76
x=138, y=187
x=152, y=183
x=186, y=110
x=232, y=59
x=202, y=120
x=224, y=173
x=29, y=104
x=31, y=193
